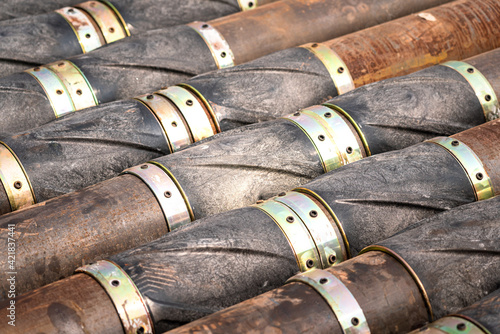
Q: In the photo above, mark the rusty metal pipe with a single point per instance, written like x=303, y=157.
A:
x=237, y=168
x=172, y=55
x=80, y=28
x=438, y=266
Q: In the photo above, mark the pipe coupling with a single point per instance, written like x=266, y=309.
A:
x=451, y=325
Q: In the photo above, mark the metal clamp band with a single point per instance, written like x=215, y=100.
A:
x=480, y=181
x=335, y=143
x=247, y=4
x=338, y=70
x=451, y=325
x=174, y=127
x=343, y=304
x=169, y=196
x=15, y=180
x=200, y=122
x=127, y=299
x=88, y=34
x=221, y=51
x=105, y=17
x=481, y=87
x=65, y=86
x=308, y=229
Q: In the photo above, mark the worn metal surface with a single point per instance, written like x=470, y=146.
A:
x=452, y=31
x=75, y=305
x=455, y=255
x=485, y=64
x=485, y=312
x=62, y=234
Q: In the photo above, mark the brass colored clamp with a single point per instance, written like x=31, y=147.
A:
x=247, y=4
x=15, y=180
x=168, y=193
x=108, y=19
x=343, y=304
x=65, y=86
x=308, y=229
x=479, y=178
x=338, y=70
x=331, y=135
x=125, y=296
x=221, y=51
x=451, y=325
x=481, y=87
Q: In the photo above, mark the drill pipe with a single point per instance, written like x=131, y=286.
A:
x=80, y=28
x=169, y=56
x=121, y=134
x=445, y=263
x=226, y=258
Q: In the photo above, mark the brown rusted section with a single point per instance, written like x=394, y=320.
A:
x=388, y=295
x=286, y=24
x=4, y=201
x=85, y=226
x=293, y=308
x=454, y=31
x=487, y=64
x=484, y=140
x=74, y=305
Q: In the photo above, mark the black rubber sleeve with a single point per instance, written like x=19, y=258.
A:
x=80, y=150
x=212, y=264
x=485, y=312
x=10, y=9
x=383, y=194
x=399, y=112
x=456, y=255
x=244, y=165
x=271, y=86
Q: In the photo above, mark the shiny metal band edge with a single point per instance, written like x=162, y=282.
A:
x=171, y=199
x=338, y=70
x=474, y=168
x=308, y=229
x=451, y=325
x=248, y=4
x=127, y=299
x=344, y=305
x=218, y=46
x=65, y=85
x=481, y=86
x=15, y=180
x=332, y=137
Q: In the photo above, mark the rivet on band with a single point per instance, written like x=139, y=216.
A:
x=125, y=296
x=338, y=70
x=107, y=19
x=309, y=230
x=479, y=178
x=344, y=305
x=481, y=87
x=65, y=86
x=247, y=4
x=167, y=191
x=15, y=180
x=221, y=51
x=451, y=325
x=334, y=140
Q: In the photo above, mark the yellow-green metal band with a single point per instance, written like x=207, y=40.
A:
x=167, y=194
x=247, y=4
x=205, y=102
x=87, y=32
x=409, y=269
x=472, y=165
x=124, y=294
x=451, y=325
x=218, y=46
x=106, y=19
x=344, y=305
x=330, y=134
x=481, y=87
x=117, y=13
x=338, y=70
x=15, y=180
x=353, y=123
